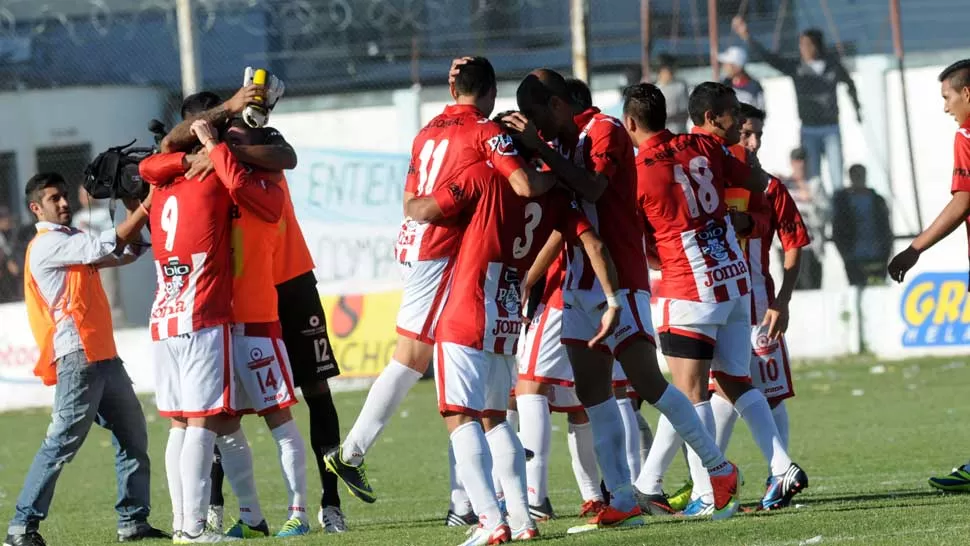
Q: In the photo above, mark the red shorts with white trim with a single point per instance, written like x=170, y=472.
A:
x=263, y=372
x=720, y=332
x=542, y=357
x=472, y=381
x=194, y=375
x=583, y=309
x=426, y=286
x=770, y=370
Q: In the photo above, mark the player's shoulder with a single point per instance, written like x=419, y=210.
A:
x=962, y=136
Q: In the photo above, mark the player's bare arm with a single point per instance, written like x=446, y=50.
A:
x=181, y=136
x=605, y=270
x=952, y=215
x=544, y=259
x=423, y=210
x=530, y=183
x=590, y=186
x=776, y=316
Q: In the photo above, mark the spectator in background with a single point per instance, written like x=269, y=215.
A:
x=748, y=89
x=861, y=230
x=94, y=217
x=675, y=92
x=11, y=278
x=813, y=204
x=816, y=76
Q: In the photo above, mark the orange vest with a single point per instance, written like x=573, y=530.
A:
x=84, y=301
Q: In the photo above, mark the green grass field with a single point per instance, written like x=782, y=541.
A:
x=868, y=441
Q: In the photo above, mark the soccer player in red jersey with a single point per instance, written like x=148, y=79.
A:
x=451, y=142
x=195, y=383
x=479, y=328
x=599, y=167
x=706, y=307
x=955, y=88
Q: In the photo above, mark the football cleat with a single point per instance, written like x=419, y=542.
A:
x=294, y=527
x=453, y=519
x=610, y=518
x=30, y=538
x=244, y=530
x=527, y=532
x=205, y=537
x=214, y=518
x=957, y=481
x=543, y=512
x=332, y=519
x=782, y=488
x=698, y=508
x=654, y=505
x=480, y=536
x=591, y=508
x=681, y=498
x=353, y=477
x=142, y=531
x=727, y=493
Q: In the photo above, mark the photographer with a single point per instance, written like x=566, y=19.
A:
x=71, y=322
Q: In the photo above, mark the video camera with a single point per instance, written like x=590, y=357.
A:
x=114, y=173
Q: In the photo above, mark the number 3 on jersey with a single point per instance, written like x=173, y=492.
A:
x=169, y=221
x=700, y=172
x=521, y=245
x=430, y=164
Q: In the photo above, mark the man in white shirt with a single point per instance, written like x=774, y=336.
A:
x=71, y=321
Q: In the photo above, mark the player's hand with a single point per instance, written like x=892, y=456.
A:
x=204, y=131
x=776, y=319
x=200, y=165
x=610, y=318
x=147, y=201
x=528, y=134
x=524, y=290
x=740, y=27
x=131, y=204
x=246, y=94
x=902, y=262
x=455, y=64
x=742, y=222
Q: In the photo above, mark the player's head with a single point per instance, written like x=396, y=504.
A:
x=857, y=176
x=713, y=107
x=955, y=86
x=752, y=122
x=644, y=110
x=543, y=97
x=194, y=105
x=46, y=197
x=475, y=84
x=579, y=95
x=237, y=133
x=810, y=44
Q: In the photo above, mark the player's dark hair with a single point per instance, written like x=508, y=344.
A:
x=538, y=88
x=579, y=94
x=815, y=35
x=748, y=111
x=476, y=78
x=40, y=182
x=958, y=74
x=199, y=102
x=645, y=103
x=709, y=97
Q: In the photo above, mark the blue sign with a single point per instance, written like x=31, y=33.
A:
x=340, y=187
x=936, y=310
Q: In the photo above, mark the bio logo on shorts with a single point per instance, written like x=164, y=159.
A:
x=935, y=310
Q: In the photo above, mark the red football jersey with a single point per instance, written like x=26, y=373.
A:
x=190, y=225
x=605, y=147
x=681, y=185
x=961, y=164
x=504, y=234
x=456, y=139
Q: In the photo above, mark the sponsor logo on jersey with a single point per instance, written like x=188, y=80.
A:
x=935, y=309
x=712, y=243
x=961, y=172
x=721, y=274
x=502, y=145
x=176, y=272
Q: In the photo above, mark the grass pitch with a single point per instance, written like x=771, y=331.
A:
x=867, y=433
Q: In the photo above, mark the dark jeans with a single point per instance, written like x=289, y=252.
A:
x=97, y=393
x=823, y=140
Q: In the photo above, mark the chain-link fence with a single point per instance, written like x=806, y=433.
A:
x=77, y=76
